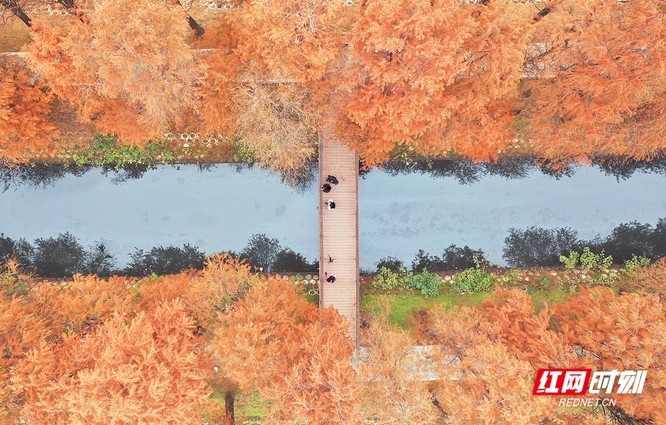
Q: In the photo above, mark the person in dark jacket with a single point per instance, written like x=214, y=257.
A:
x=326, y=188
x=331, y=204
x=332, y=179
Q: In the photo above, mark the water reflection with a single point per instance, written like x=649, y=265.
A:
x=64, y=256
x=432, y=206
x=469, y=172
x=427, y=205
x=463, y=171
x=44, y=176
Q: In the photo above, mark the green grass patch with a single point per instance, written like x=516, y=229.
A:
x=403, y=306
x=251, y=406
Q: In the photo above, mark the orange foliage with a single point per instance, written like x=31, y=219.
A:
x=125, y=63
x=216, y=111
x=205, y=295
x=277, y=120
x=651, y=279
x=146, y=369
x=498, y=348
x=392, y=395
x=492, y=385
x=563, y=80
x=272, y=76
x=600, y=89
x=27, y=319
x=423, y=66
x=26, y=130
x=87, y=301
x=295, y=39
x=84, y=351
x=626, y=332
x=527, y=335
x=295, y=353
x=20, y=332
x=216, y=107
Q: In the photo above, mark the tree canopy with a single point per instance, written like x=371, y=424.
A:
x=161, y=349
x=561, y=80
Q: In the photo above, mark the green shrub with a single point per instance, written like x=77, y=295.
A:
x=631, y=266
x=388, y=280
x=427, y=283
x=591, y=261
x=570, y=261
x=606, y=278
x=11, y=285
x=474, y=280
x=242, y=152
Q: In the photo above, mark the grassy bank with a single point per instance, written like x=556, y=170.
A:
x=405, y=306
x=545, y=286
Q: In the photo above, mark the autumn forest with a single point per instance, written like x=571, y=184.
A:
x=181, y=348
x=561, y=80
x=226, y=339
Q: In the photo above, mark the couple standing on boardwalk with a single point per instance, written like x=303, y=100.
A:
x=326, y=187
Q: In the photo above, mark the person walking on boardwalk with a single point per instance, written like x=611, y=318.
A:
x=330, y=203
x=330, y=278
x=326, y=188
x=332, y=179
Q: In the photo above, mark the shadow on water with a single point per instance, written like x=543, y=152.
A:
x=38, y=176
x=464, y=171
x=536, y=246
x=468, y=172
x=44, y=176
x=531, y=247
x=301, y=180
x=64, y=256
x=625, y=169
x=127, y=173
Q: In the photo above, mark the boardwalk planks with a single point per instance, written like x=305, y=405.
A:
x=338, y=228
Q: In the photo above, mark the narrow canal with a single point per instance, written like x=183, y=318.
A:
x=218, y=209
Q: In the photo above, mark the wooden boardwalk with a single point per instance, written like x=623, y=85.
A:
x=338, y=229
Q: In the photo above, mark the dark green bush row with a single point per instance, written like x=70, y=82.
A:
x=64, y=256
x=59, y=256
x=539, y=247
x=466, y=171
x=536, y=246
x=453, y=258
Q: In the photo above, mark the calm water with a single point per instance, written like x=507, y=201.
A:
x=219, y=209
